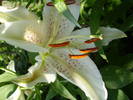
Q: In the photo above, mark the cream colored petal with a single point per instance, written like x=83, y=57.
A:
x=79, y=42
x=77, y=39
x=20, y=34
x=17, y=95
x=82, y=72
x=14, y=30
x=37, y=73
x=18, y=13
x=110, y=34
x=56, y=25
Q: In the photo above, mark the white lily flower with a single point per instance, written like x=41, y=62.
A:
x=60, y=47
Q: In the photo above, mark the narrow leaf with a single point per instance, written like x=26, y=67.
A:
x=51, y=94
x=60, y=89
x=62, y=8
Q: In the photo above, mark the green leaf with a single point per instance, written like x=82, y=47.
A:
x=6, y=76
x=95, y=16
x=38, y=93
x=60, y=89
x=51, y=94
x=116, y=77
x=127, y=61
x=6, y=91
x=117, y=95
x=62, y=8
x=30, y=97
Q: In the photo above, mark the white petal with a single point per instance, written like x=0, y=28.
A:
x=110, y=34
x=79, y=42
x=37, y=73
x=17, y=95
x=14, y=29
x=18, y=13
x=56, y=25
x=83, y=73
x=15, y=34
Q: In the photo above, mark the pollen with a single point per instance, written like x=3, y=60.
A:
x=78, y=56
x=32, y=36
x=92, y=40
x=89, y=50
x=60, y=44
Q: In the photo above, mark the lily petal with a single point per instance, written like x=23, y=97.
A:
x=15, y=33
x=17, y=95
x=37, y=73
x=55, y=24
x=110, y=34
x=18, y=13
x=82, y=72
x=79, y=42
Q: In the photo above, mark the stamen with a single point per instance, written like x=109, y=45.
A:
x=78, y=56
x=88, y=50
x=60, y=44
x=92, y=40
x=68, y=2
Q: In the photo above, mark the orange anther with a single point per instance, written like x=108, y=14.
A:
x=78, y=56
x=92, y=40
x=89, y=50
x=59, y=44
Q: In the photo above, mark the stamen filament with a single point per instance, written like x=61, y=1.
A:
x=78, y=56
x=92, y=40
x=88, y=50
x=60, y=44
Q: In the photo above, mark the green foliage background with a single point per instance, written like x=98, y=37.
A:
x=117, y=69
